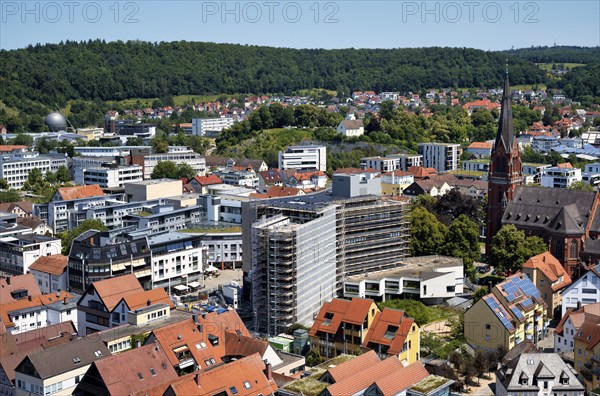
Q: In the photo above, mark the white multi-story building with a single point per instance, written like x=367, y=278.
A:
x=177, y=259
x=544, y=144
x=389, y=96
x=405, y=161
x=532, y=173
x=18, y=252
x=382, y=164
x=111, y=177
x=195, y=160
x=443, y=157
x=243, y=178
x=15, y=168
x=204, y=126
x=560, y=177
x=569, y=325
x=583, y=291
x=593, y=168
x=40, y=311
x=304, y=158
x=433, y=279
x=478, y=165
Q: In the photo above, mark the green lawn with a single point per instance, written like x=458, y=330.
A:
x=421, y=313
x=548, y=66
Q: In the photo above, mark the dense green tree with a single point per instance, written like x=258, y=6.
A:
x=160, y=145
x=462, y=240
x=4, y=184
x=10, y=196
x=23, y=139
x=135, y=141
x=479, y=293
x=427, y=233
x=510, y=249
x=62, y=174
x=581, y=186
x=184, y=170
x=165, y=169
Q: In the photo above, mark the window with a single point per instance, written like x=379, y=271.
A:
x=247, y=385
x=152, y=371
x=545, y=384
x=140, y=377
x=573, y=254
x=233, y=390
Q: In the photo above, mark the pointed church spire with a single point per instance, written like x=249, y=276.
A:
x=506, y=130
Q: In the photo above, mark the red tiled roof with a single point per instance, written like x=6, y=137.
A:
x=551, y=268
x=407, y=376
x=55, y=264
x=69, y=193
x=36, y=301
x=389, y=317
x=276, y=191
x=225, y=377
x=589, y=332
x=421, y=172
x=398, y=173
x=120, y=373
x=112, y=290
x=350, y=367
x=154, y=296
x=365, y=377
x=18, y=282
x=7, y=148
x=354, y=312
x=480, y=145
x=352, y=171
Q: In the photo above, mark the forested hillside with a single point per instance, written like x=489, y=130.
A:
x=558, y=54
x=95, y=70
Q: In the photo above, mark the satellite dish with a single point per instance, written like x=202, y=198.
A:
x=56, y=122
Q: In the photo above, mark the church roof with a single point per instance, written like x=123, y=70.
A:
x=556, y=210
x=506, y=131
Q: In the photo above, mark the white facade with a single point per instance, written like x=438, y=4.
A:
x=404, y=179
x=476, y=166
x=443, y=157
x=195, y=160
x=382, y=164
x=37, y=317
x=50, y=283
x=202, y=126
x=585, y=290
x=111, y=177
x=304, y=158
x=15, y=168
x=243, y=178
x=593, y=168
x=176, y=259
x=433, y=283
x=405, y=161
x=351, y=128
x=556, y=177
x=544, y=144
x=223, y=249
x=18, y=252
x=565, y=342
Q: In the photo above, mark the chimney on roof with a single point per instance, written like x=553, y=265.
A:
x=148, y=302
x=8, y=280
x=197, y=379
x=58, y=294
x=65, y=300
x=268, y=370
x=156, y=346
x=578, y=305
x=29, y=298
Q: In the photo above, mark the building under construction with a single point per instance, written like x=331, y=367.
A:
x=303, y=247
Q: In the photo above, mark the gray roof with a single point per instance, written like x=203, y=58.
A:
x=556, y=210
x=539, y=365
x=66, y=357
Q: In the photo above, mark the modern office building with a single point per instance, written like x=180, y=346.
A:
x=560, y=177
x=443, y=157
x=15, y=167
x=305, y=158
x=111, y=177
x=195, y=160
x=382, y=164
x=405, y=161
x=211, y=126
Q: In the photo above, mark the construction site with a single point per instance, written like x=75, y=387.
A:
x=303, y=248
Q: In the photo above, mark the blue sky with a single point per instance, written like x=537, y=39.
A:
x=488, y=25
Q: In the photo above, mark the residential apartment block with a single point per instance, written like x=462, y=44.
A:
x=382, y=164
x=583, y=291
x=15, y=167
x=18, y=252
x=50, y=273
x=405, y=161
x=357, y=325
x=512, y=312
x=443, y=157
x=304, y=158
x=560, y=177
x=395, y=182
x=149, y=161
x=431, y=279
x=110, y=177
x=586, y=352
x=549, y=276
x=569, y=325
x=211, y=126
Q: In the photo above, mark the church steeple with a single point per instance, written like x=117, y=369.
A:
x=505, y=167
x=506, y=129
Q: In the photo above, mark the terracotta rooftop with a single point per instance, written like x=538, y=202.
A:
x=36, y=301
x=551, y=268
x=278, y=192
x=154, y=296
x=26, y=206
x=333, y=313
x=389, y=320
x=396, y=382
x=112, y=290
x=7, y=148
x=368, y=375
x=352, y=171
x=208, y=180
x=77, y=192
x=480, y=145
x=15, y=283
x=55, y=264
x=349, y=368
x=131, y=371
x=589, y=332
